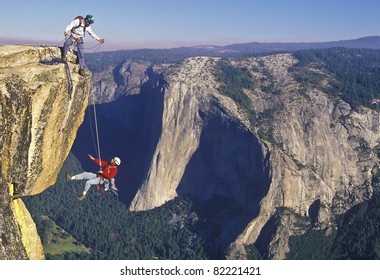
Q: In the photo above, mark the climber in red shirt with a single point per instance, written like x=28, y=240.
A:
x=108, y=171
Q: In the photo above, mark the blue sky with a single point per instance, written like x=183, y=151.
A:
x=129, y=24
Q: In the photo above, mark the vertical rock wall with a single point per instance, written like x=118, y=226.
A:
x=42, y=104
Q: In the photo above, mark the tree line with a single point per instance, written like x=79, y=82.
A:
x=356, y=236
x=355, y=73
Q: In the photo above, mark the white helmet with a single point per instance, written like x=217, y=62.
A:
x=117, y=160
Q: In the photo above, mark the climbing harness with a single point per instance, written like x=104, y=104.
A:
x=81, y=21
x=108, y=187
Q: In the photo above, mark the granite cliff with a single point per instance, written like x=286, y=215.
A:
x=125, y=79
x=308, y=157
x=42, y=104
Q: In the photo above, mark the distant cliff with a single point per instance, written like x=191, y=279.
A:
x=308, y=154
x=125, y=79
x=42, y=104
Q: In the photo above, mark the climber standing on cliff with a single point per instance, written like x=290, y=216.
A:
x=108, y=172
x=77, y=29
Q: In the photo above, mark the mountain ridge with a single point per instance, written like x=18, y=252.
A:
x=371, y=41
x=363, y=42
x=101, y=61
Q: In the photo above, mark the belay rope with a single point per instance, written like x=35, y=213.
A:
x=97, y=136
x=97, y=144
x=110, y=184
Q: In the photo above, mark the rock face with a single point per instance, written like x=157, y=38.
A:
x=315, y=159
x=42, y=105
x=326, y=159
x=126, y=79
x=194, y=117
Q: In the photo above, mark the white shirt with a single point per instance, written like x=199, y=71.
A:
x=79, y=31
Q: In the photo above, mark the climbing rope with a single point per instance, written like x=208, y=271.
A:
x=97, y=135
x=97, y=46
x=49, y=58
x=92, y=130
x=97, y=144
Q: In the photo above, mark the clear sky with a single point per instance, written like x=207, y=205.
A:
x=129, y=24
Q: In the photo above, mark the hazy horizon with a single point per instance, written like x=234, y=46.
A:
x=92, y=45
x=128, y=24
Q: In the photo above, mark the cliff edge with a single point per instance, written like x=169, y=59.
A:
x=42, y=104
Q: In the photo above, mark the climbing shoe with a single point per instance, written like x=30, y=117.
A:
x=81, y=196
x=64, y=58
x=16, y=195
x=68, y=177
x=84, y=72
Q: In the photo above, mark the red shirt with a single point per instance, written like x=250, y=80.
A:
x=109, y=170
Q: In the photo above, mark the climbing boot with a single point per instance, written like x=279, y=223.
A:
x=84, y=72
x=16, y=195
x=68, y=177
x=81, y=196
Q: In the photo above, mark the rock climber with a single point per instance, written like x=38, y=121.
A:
x=108, y=172
x=77, y=29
